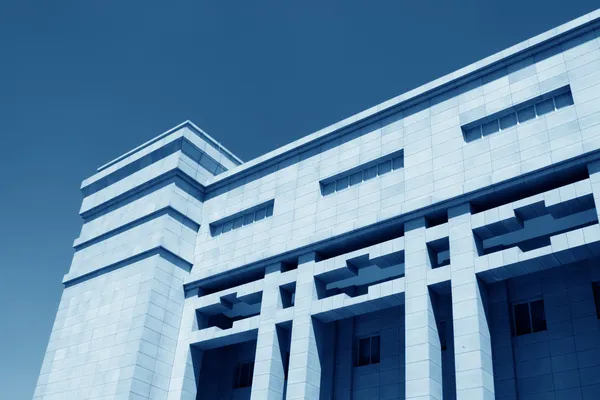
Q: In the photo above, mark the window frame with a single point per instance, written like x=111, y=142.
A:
x=242, y=219
x=376, y=168
x=532, y=328
x=371, y=358
x=237, y=375
x=523, y=113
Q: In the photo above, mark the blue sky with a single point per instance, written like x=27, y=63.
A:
x=82, y=82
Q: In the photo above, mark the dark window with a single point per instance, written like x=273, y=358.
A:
x=238, y=222
x=495, y=123
x=490, y=127
x=329, y=188
x=384, y=167
x=363, y=173
x=544, y=107
x=508, y=120
x=368, y=351
x=356, y=178
x=473, y=134
x=342, y=183
x=398, y=163
x=260, y=214
x=243, y=375
x=269, y=210
x=538, y=316
x=227, y=226
x=596, y=287
x=563, y=100
x=217, y=230
x=526, y=114
x=529, y=317
x=370, y=173
x=249, y=218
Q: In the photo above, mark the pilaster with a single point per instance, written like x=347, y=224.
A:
x=268, y=379
x=422, y=345
x=472, y=344
x=304, y=376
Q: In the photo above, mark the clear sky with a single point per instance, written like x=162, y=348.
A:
x=82, y=82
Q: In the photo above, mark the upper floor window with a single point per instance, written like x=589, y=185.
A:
x=368, y=351
x=242, y=218
x=242, y=376
x=363, y=173
x=519, y=114
x=529, y=317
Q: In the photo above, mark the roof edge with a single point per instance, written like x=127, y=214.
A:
x=415, y=96
x=189, y=124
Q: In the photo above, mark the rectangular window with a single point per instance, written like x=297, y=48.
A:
x=508, y=121
x=243, y=375
x=242, y=218
x=596, y=288
x=490, y=127
x=518, y=114
x=529, y=317
x=363, y=173
x=368, y=351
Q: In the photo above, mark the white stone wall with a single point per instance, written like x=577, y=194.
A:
x=125, y=329
x=114, y=336
x=438, y=163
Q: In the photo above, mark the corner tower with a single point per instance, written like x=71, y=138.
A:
x=117, y=325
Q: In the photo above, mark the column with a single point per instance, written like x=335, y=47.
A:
x=268, y=379
x=423, y=352
x=188, y=361
x=344, y=363
x=472, y=343
x=304, y=375
x=505, y=380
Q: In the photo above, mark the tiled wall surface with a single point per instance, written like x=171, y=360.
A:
x=438, y=163
x=115, y=335
x=430, y=257
x=561, y=362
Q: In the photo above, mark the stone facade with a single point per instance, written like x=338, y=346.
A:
x=443, y=244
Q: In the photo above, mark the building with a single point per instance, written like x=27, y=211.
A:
x=444, y=243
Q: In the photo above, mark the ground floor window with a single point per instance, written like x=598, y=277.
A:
x=243, y=375
x=529, y=317
x=368, y=351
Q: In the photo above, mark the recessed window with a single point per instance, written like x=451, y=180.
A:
x=490, y=127
x=544, y=107
x=243, y=375
x=529, y=317
x=243, y=218
x=367, y=171
x=596, y=288
x=368, y=351
x=508, y=120
x=519, y=114
x=288, y=294
x=356, y=178
x=526, y=114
